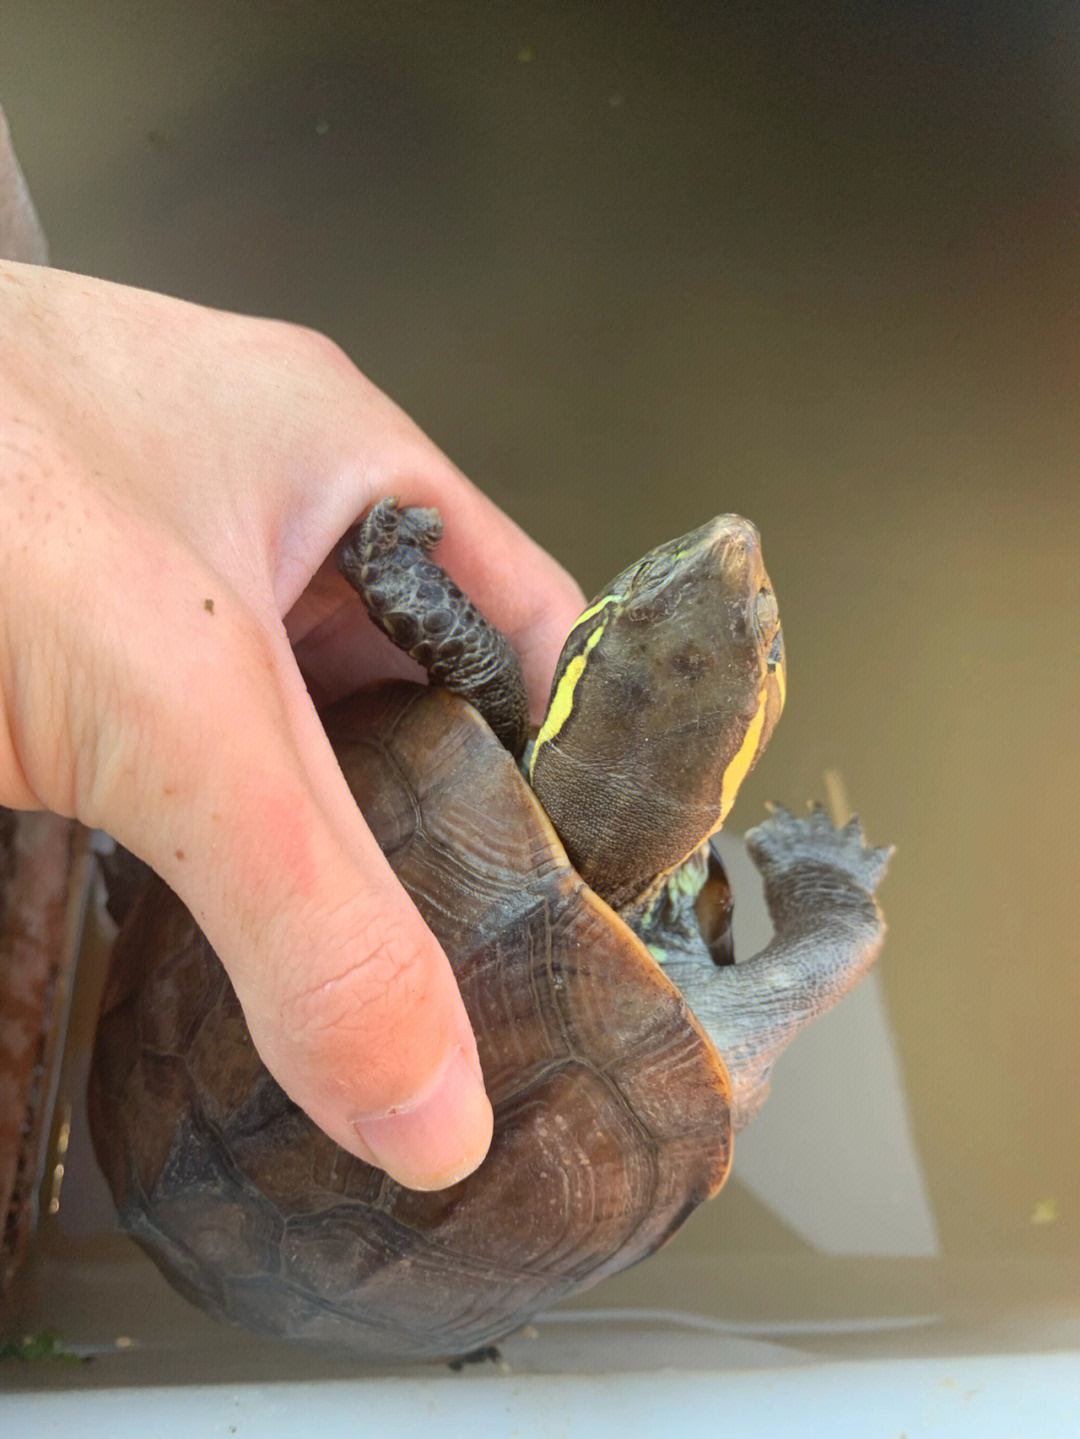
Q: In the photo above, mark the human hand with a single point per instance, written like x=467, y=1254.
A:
x=172, y=481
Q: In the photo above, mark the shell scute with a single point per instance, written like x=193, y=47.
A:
x=611, y=1105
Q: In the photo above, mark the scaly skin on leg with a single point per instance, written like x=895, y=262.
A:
x=819, y=887
x=414, y=602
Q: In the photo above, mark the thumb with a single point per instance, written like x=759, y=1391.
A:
x=234, y=796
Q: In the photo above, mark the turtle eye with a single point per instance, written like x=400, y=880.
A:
x=766, y=612
x=653, y=570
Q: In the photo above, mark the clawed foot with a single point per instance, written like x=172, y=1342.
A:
x=387, y=527
x=828, y=930
x=389, y=524
x=785, y=843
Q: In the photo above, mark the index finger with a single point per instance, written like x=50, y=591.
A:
x=515, y=583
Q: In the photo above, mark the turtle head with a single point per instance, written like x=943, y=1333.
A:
x=666, y=692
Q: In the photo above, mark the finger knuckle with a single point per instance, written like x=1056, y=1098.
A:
x=363, y=983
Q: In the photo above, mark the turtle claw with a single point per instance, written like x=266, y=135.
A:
x=389, y=524
x=784, y=843
x=774, y=807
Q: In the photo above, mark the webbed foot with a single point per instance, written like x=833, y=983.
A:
x=794, y=851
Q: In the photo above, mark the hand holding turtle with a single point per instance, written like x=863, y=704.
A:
x=173, y=480
x=588, y=922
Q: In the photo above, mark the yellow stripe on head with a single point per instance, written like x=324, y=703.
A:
x=739, y=766
x=594, y=609
x=562, y=701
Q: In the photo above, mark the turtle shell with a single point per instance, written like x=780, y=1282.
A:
x=611, y=1104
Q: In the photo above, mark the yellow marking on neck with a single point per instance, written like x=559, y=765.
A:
x=781, y=683
x=562, y=701
x=739, y=765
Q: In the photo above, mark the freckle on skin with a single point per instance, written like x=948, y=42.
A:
x=180, y=854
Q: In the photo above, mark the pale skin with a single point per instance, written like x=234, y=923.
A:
x=172, y=483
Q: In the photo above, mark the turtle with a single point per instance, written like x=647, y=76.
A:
x=569, y=877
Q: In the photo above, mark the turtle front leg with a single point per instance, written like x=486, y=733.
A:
x=387, y=560
x=819, y=888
